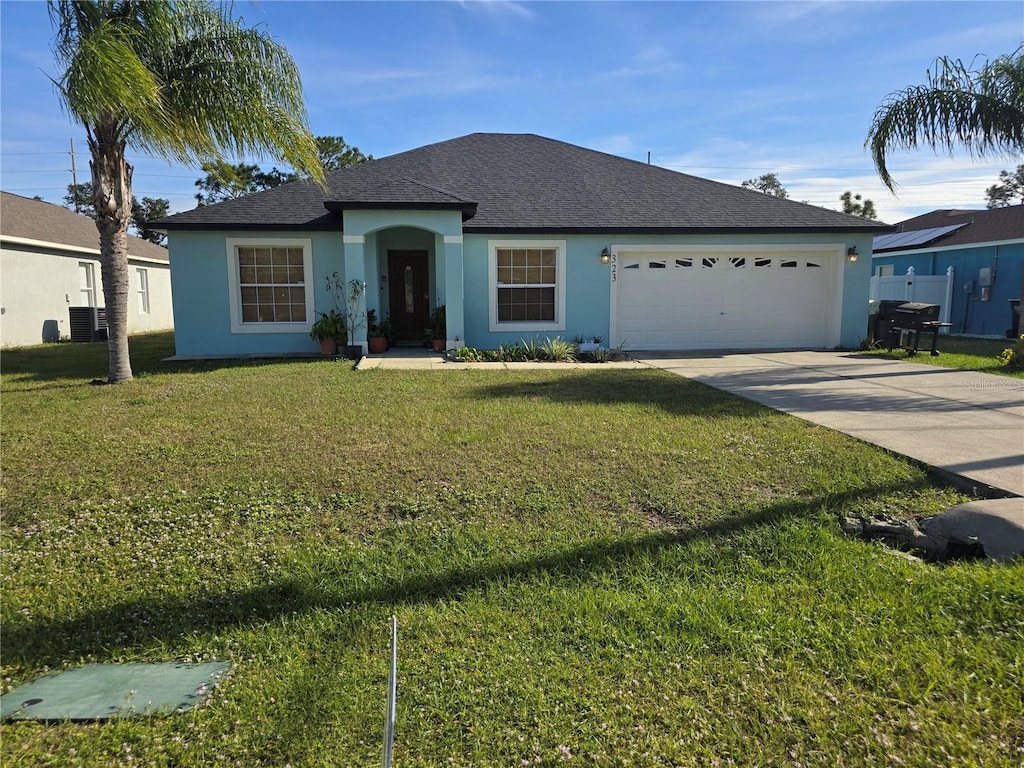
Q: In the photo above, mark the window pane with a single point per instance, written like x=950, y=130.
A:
x=272, y=281
x=533, y=275
x=504, y=257
x=547, y=275
x=548, y=257
x=504, y=274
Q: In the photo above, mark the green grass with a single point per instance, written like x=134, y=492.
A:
x=963, y=352
x=588, y=566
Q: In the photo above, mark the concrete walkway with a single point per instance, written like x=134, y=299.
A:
x=965, y=424
x=409, y=358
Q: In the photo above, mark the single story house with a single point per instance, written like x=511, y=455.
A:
x=980, y=255
x=521, y=236
x=50, y=271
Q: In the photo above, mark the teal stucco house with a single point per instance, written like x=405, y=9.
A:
x=521, y=236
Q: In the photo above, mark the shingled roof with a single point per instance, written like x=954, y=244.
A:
x=976, y=226
x=508, y=183
x=43, y=222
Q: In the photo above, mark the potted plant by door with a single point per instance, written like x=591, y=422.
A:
x=378, y=335
x=437, y=331
x=354, y=319
x=328, y=329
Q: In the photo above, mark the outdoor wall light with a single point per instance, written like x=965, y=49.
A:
x=851, y=253
x=605, y=256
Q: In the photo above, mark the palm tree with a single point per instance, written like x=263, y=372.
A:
x=982, y=109
x=180, y=79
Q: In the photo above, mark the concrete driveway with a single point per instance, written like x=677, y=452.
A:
x=966, y=424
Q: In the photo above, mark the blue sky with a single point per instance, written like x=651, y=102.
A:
x=724, y=90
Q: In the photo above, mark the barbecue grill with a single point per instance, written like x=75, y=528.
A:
x=900, y=324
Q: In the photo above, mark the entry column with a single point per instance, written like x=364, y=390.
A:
x=355, y=269
x=455, y=316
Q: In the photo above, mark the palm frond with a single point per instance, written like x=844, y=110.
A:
x=981, y=110
x=184, y=80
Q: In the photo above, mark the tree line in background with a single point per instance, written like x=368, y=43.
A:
x=223, y=181
x=769, y=184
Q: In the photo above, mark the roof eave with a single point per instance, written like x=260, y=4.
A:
x=488, y=230
x=468, y=210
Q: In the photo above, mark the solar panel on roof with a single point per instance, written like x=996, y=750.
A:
x=913, y=237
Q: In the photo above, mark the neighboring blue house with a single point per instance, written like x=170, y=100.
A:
x=984, y=248
x=521, y=236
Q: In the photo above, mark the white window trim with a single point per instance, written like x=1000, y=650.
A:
x=87, y=293
x=492, y=292
x=234, y=283
x=142, y=278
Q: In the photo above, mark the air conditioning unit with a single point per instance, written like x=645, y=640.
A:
x=88, y=323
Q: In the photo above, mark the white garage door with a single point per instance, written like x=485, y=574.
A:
x=726, y=299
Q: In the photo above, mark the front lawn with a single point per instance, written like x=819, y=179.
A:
x=963, y=352
x=593, y=567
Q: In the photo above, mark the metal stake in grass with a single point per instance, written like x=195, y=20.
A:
x=389, y=721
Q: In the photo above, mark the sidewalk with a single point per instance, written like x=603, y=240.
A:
x=410, y=358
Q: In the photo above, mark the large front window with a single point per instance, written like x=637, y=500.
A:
x=270, y=289
x=528, y=282
x=273, y=285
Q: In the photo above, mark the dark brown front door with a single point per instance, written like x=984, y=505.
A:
x=408, y=295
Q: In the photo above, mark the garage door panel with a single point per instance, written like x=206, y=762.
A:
x=726, y=300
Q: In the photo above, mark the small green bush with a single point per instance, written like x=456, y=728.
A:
x=1013, y=357
x=558, y=350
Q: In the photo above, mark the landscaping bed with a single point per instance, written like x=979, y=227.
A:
x=590, y=566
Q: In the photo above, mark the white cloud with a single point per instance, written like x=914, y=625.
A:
x=500, y=8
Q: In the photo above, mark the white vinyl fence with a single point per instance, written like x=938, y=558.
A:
x=923, y=289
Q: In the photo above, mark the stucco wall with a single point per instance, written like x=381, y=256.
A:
x=37, y=287
x=588, y=306
x=199, y=270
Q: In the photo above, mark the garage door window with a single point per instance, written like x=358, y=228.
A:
x=528, y=285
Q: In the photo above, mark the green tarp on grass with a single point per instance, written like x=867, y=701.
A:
x=102, y=691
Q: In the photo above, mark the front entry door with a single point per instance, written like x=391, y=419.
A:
x=409, y=294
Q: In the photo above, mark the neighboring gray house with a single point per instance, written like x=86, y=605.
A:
x=49, y=263
x=521, y=236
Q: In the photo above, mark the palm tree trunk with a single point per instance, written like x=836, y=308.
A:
x=112, y=194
